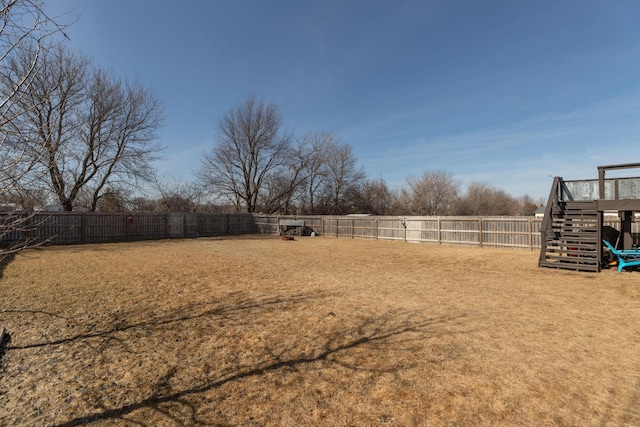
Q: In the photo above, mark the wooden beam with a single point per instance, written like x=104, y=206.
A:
x=619, y=205
x=621, y=166
x=545, y=227
x=601, y=194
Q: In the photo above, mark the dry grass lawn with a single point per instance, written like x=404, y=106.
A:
x=256, y=331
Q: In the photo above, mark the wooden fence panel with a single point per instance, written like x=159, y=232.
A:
x=266, y=224
x=330, y=225
x=59, y=229
x=391, y=229
x=344, y=227
x=506, y=232
x=213, y=225
x=137, y=227
x=364, y=228
x=241, y=224
x=175, y=226
x=73, y=228
x=8, y=227
x=104, y=228
x=413, y=230
x=536, y=237
x=191, y=225
x=460, y=231
x=314, y=223
x=423, y=229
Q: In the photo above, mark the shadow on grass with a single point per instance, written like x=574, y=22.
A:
x=373, y=335
x=115, y=338
x=228, y=308
x=5, y=260
x=6, y=339
x=632, y=411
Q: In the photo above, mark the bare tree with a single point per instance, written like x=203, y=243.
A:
x=375, y=197
x=87, y=130
x=284, y=185
x=315, y=148
x=251, y=148
x=483, y=199
x=112, y=200
x=343, y=174
x=434, y=193
x=24, y=31
x=177, y=196
x=527, y=206
x=327, y=176
x=142, y=204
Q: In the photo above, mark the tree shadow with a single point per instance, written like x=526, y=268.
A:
x=400, y=329
x=6, y=339
x=631, y=413
x=5, y=260
x=125, y=334
x=233, y=307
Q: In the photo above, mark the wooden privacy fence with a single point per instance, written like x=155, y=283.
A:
x=71, y=228
x=511, y=232
x=495, y=232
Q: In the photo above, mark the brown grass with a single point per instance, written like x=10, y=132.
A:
x=258, y=331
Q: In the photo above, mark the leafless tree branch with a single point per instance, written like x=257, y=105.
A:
x=26, y=32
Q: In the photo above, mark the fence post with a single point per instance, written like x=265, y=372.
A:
x=83, y=225
x=480, y=231
x=166, y=226
x=404, y=226
x=28, y=231
x=184, y=226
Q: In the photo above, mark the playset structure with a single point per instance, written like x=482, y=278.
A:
x=573, y=230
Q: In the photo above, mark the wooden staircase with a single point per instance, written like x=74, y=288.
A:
x=571, y=233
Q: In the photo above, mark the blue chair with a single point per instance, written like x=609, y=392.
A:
x=626, y=258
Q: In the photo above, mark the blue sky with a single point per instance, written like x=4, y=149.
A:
x=508, y=93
